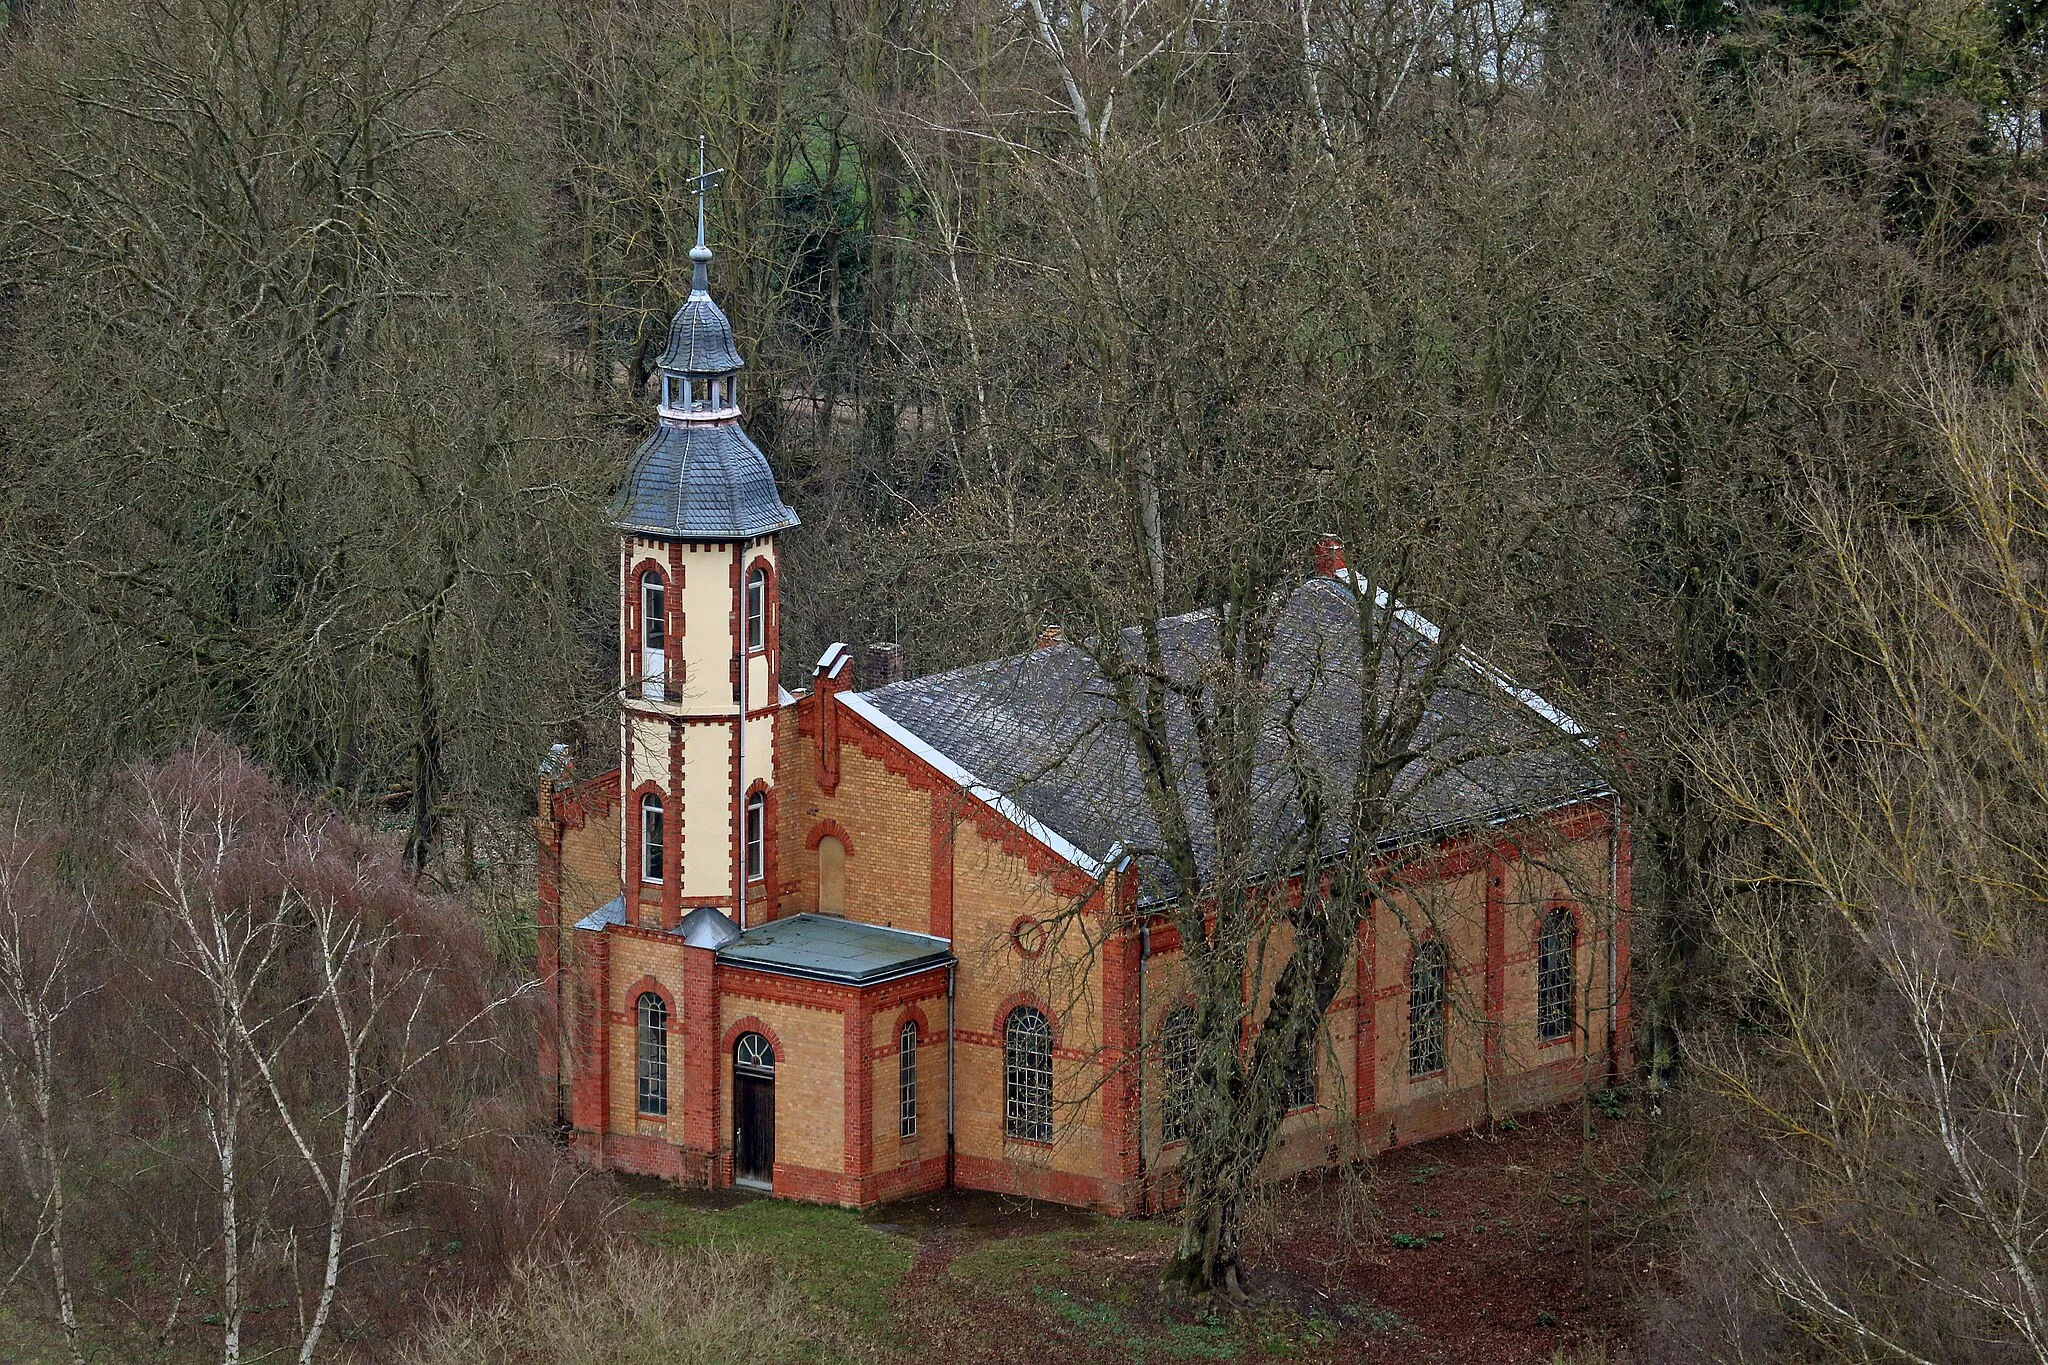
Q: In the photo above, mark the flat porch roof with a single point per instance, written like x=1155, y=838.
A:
x=827, y=948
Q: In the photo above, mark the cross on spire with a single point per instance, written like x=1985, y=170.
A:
x=701, y=185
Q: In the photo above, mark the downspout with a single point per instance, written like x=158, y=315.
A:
x=1613, y=916
x=739, y=555
x=952, y=970
x=1144, y=956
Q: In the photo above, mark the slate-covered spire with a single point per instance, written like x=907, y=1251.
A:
x=699, y=476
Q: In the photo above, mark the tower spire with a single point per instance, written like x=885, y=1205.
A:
x=700, y=254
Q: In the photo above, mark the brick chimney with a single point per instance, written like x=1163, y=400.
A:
x=1329, y=557
x=1049, y=637
x=881, y=665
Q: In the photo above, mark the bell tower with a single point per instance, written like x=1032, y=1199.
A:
x=698, y=515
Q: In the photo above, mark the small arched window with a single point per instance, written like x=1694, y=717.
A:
x=752, y=1054
x=1027, y=1076
x=757, y=609
x=1177, y=1061
x=650, y=838
x=653, y=1054
x=1556, y=945
x=757, y=835
x=831, y=876
x=906, y=1080
x=1426, y=1010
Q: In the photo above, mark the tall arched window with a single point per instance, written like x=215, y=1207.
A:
x=653, y=636
x=906, y=1080
x=1426, y=1010
x=1027, y=1076
x=831, y=876
x=757, y=609
x=650, y=838
x=757, y=835
x=653, y=1054
x=1556, y=945
x=1177, y=1065
x=1300, y=1079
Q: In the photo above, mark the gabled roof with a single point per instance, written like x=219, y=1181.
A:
x=700, y=481
x=1037, y=736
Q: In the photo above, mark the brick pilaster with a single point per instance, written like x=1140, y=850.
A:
x=589, y=1098
x=702, y=1064
x=1365, y=1055
x=942, y=865
x=1122, y=1039
x=1496, y=959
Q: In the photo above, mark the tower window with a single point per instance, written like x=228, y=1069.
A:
x=653, y=611
x=757, y=812
x=650, y=838
x=1027, y=1076
x=653, y=1054
x=1426, y=1010
x=906, y=1080
x=757, y=609
x=1555, y=947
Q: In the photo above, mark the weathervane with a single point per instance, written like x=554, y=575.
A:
x=701, y=184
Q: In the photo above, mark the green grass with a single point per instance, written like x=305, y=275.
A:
x=829, y=1253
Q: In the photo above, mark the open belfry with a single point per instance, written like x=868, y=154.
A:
x=801, y=942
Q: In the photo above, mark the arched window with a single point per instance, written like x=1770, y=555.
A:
x=906, y=1080
x=1300, y=1079
x=831, y=876
x=1556, y=946
x=757, y=819
x=757, y=609
x=1027, y=1076
x=653, y=1058
x=650, y=838
x=653, y=635
x=1177, y=1063
x=1426, y=1010
x=751, y=1054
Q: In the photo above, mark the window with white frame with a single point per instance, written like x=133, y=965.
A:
x=1426, y=1010
x=1027, y=1076
x=1177, y=1068
x=906, y=1080
x=757, y=836
x=1556, y=945
x=653, y=1054
x=653, y=635
x=650, y=838
x=757, y=609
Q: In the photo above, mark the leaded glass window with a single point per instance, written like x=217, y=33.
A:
x=1555, y=947
x=1426, y=1010
x=653, y=1050
x=1301, y=1079
x=1027, y=1076
x=906, y=1080
x=1177, y=1065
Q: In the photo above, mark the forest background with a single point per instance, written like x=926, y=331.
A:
x=326, y=326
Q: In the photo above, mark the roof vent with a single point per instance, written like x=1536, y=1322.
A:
x=707, y=927
x=1050, y=636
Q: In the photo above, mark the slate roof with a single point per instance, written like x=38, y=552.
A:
x=700, y=339
x=827, y=948
x=700, y=481
x=1038, y=733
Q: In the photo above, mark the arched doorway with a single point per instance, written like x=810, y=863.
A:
x=753, y=1112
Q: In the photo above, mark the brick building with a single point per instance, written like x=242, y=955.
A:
x=805, y=942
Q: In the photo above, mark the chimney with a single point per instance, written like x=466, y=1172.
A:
x=1049, y=637
x=882, y=665
x=1329, y=557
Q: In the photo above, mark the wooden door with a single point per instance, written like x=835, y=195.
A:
x=753, y=1129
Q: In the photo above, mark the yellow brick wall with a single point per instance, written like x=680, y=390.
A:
x=890, y=1148
x=631, y=960
x=810, y=1102
x=889, y=826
